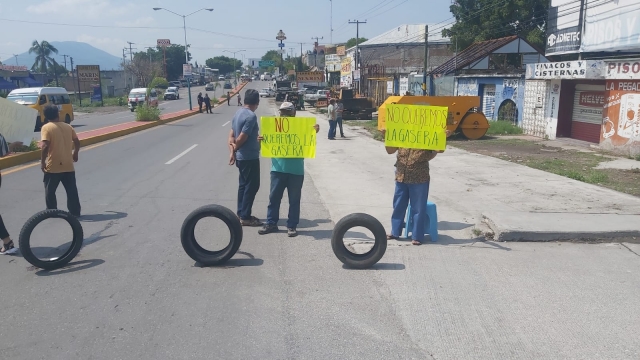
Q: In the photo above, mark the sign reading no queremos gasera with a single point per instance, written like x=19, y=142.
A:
x=88, y=73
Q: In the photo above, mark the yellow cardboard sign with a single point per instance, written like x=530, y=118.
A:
x=288, y=137
x=416, y=126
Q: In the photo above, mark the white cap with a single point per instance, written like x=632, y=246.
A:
x=287, y=106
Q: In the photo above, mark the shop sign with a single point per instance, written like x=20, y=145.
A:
x=13, y=68
x=346, y=66
x=332, y=63
x=592, y=99
x=310, y=76
x=341, y=51
x=621, y=116
x=579, y=69
x=88, y=73
x=629, y=69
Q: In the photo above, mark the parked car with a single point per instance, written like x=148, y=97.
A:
x=266, y=92
x=227, y=85
x=208, y=87
x=175, y=84
x=171, y=94
x=139, y=96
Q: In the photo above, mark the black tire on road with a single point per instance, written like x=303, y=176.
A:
x=359, y=261
x=197, y=252
x=64, y=259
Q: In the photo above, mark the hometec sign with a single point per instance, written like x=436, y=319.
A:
x=558, y=70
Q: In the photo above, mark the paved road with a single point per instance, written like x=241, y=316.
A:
x=91, y=121
x=132, y=293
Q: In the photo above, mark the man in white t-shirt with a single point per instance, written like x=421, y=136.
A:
x=331, y=114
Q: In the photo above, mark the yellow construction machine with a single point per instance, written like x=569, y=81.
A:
x=463, y=112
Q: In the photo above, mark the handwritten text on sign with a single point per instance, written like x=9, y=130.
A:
x=416, y=126
x=288, y=137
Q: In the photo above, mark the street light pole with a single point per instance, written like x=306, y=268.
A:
x=234, y=62
x=186, y=49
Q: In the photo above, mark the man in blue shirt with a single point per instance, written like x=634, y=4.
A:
x=245, y=154
x=285, y=174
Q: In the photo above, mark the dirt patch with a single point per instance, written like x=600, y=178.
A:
x=574, y=164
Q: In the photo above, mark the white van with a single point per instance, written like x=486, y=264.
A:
x=265, y=77
x=139, y=96
x=38, y=98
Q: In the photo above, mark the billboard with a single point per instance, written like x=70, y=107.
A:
x=592, y=25
x=310, y=76
x=163, y=42
x=345, y=66
x=341, y=50
x=88, y=73
x=611, y=25
x=332, y=63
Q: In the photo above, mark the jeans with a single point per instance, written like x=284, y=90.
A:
x=3, y=230
x=249, y=184
x=293, y=184
x=417, y=194
x=339, y=123
x=200, y=105
x=332, y=129
x=68, y=179
x=208, y=108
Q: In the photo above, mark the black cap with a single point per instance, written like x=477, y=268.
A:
x=252, y=97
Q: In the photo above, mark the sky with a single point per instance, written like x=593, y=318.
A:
x=249, y=25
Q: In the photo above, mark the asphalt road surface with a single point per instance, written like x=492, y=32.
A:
x=91, y=121
x=132, y=292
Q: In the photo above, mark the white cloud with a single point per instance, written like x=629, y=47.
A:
x=144, y=21
x=79, y=8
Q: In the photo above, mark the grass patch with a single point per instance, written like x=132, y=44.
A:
x=503, y=128
x=147, y=113
x=476, y=232
x=637, y=157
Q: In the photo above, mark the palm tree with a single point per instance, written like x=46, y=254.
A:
x=43, y=52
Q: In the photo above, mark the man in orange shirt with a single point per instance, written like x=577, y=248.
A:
x=57, y=160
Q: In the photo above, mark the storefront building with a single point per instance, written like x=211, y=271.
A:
x=591, y=100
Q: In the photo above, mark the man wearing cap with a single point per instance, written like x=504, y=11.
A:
x=285, y=174
x=245, y=154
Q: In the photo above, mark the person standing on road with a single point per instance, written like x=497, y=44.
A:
x=245, y=154
x=7, y=244
x=331, y=114
x=285, y=174
x=200, y=101
x=339, y=111
x=57, y=160
x=229, y=98
x=207, y=103
x=412, y=186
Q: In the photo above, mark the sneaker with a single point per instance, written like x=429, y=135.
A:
x=268, y=229
x=8, y=249
x=291, y=232
x=253, y=222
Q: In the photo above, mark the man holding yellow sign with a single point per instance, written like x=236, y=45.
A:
x=417, y=133
x=287, y=140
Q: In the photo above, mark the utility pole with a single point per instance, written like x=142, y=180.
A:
x=331, y=22
x=315, y=56
x=357, y=40
x=124, y=66
x=65, y=60
x=73, y=78
x=426, y=60
x=130, y=50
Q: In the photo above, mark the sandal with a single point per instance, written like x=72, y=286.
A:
x=8, y=248
x=415, y=242
x=391, y=237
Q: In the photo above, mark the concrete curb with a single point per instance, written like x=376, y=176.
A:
x=517, y=234
x=30, y=156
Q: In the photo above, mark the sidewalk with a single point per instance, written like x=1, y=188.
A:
x=472, y=191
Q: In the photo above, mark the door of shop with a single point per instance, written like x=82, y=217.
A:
x=586, y=119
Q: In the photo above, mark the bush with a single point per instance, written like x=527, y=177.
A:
x=159, y=83
x=501, y=127
x=147, y=113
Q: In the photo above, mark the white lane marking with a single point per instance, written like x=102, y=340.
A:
x=227, y=123
x=180, y=155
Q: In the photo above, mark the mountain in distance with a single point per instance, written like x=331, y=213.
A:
x=82, y=53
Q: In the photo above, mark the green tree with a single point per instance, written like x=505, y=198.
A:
x=224, y=64
x=159, y=83
x=352, y=42
x=175, y=59
x=480, y=20
x=43, y=51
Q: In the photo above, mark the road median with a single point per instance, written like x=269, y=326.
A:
x=92, y=137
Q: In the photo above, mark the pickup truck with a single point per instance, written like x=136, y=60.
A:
x=319, y=94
